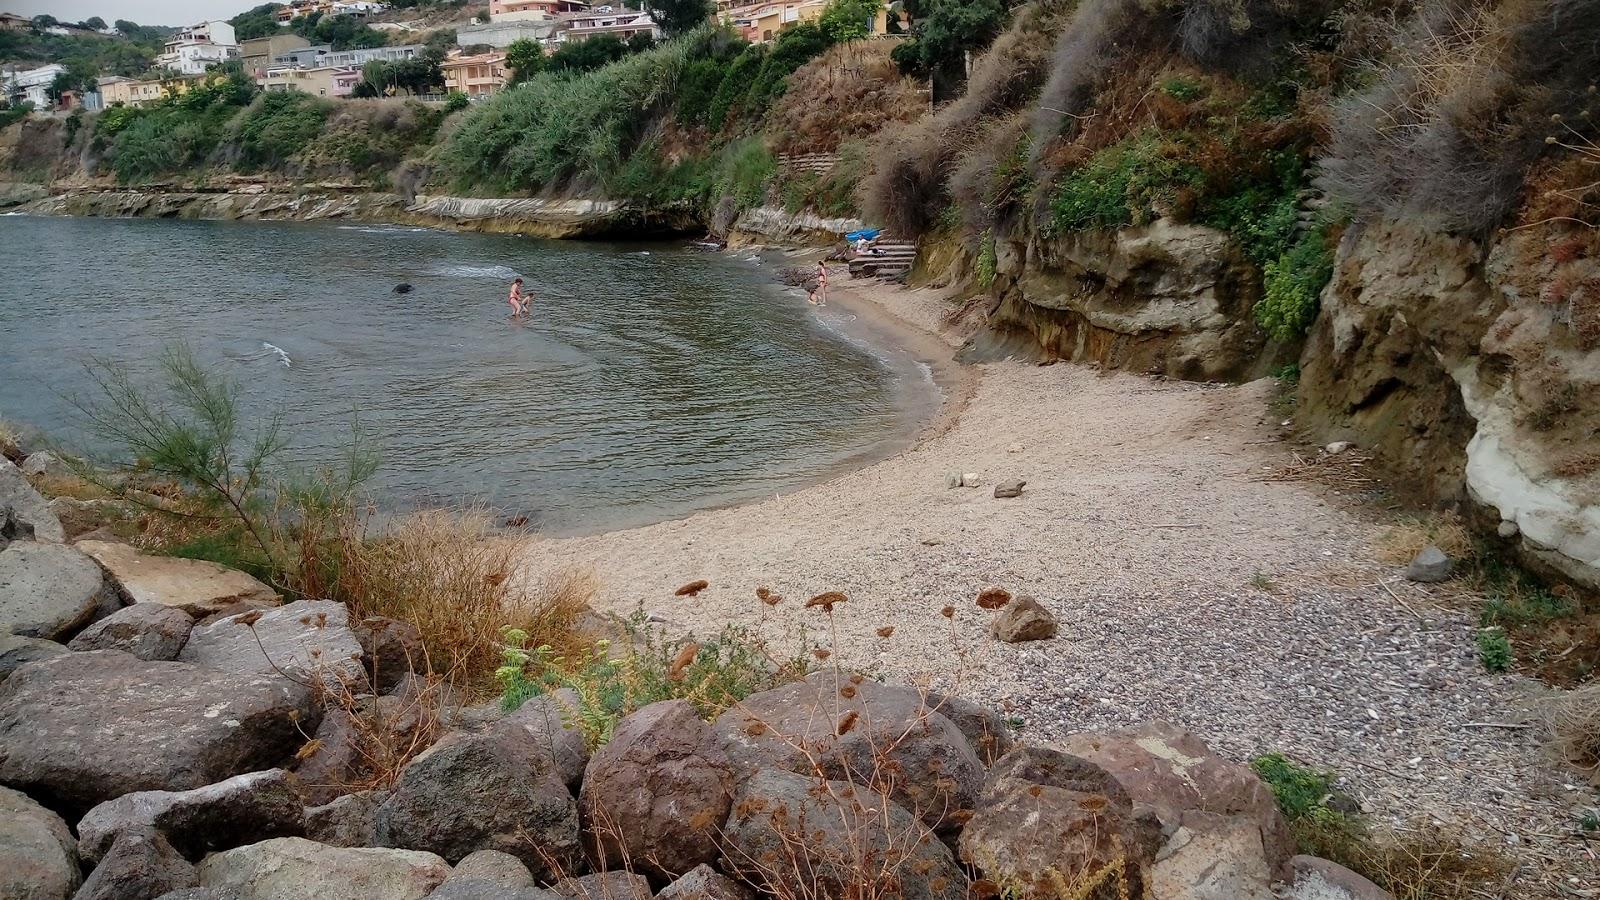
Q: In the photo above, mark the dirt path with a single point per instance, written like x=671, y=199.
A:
x=1187, y=589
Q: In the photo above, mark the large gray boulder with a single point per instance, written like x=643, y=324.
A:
x=858, y=729
x=82, y=728
x=348, y=821
x=239, y=810
x=550, y=723
x=38, y=858
x=1319, y=879
x=391, y=649
x=604, y=886
x=304, y=640
x=657, y=793
x=492, y=866
x=1210, y=857
x=17, y=651
x=149, y=631
x=49, y=591
x=26, y=505
x=705, y=883
x=1048, y=819
x=293, y=868
x=834, y=837
x=333, y=760
x=140, y=864
x=1171, y=771
x=195, y=586
x=490, y=791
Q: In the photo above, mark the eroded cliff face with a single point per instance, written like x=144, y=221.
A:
x=1473, y=372
x=1166, y=297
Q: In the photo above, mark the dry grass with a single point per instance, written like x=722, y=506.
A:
x=1572, y=722
x=11, y=442
x=1350, y=470
x=73, y=486
x=1428, y=862
x=851, y=91
x=1400, y=543
x=453, y=577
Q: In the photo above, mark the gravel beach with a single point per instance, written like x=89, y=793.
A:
x=1253, y=612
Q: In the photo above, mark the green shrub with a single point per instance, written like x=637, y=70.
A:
x=456, y=102
x=1184, y=89
x=14, y=113
x=793, y=49
x=1123, y=185
x=277, y=127
x=1291, y=286
x=735, y=86
x=712, y=675
x=743, y=172
x=697, y=89
x=986, y=261
x=1300, y=791
x=1494, y=649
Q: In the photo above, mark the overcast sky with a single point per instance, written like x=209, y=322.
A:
x=144, y=12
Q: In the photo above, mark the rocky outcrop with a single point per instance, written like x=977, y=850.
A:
x=195, y=586
x=298, y=869
x=38, y=857
x=82, y=728
x=303, y=641
x=235, y=811
x=50, y=591
x=536, y=217
x=705, y=883
x=771, y=225
x=657, y=792
x=149, y=631
x=346, y=821
x=840, y=839
x=1473, y=372
x=549, y=723
x=1166, y=297
x=492, y=791
x=26, y=506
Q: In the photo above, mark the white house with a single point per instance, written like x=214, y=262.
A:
x=619, y=22
x=192, y=50
x=32, y=85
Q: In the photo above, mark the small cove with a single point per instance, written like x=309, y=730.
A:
x=653, y=380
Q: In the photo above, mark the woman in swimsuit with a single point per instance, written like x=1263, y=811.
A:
x=519, y=305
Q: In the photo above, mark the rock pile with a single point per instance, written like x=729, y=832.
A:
x=156, y=755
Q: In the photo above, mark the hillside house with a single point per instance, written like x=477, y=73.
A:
x=476, y=76
x=193, y=50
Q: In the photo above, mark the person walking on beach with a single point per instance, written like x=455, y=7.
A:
x=519, y=303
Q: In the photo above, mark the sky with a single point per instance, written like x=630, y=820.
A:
x=144, y=12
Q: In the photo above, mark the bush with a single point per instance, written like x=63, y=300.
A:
x=1494, y=649
x=735, y=86
x=1572, y=722
x=277, y=127
x=370, y=138
x=1128, y=184
x=851, y=91
x=712, y=675
x=1291, y=286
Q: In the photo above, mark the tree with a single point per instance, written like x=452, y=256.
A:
x=640, y=41
x=346, y=33
x=678, y=16
x=944, y=31
x=41, y=22
x=587, y=55
x=525, y=58
x=849, y=20
x=258, y=22
x=60, y=85
x=93, y=23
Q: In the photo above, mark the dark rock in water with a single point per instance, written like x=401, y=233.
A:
x=78, y=729
x=140, y=863
x=402, y=288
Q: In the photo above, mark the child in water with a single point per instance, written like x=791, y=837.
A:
x=519, y=304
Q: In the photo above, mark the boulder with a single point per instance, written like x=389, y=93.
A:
x=1171, y=771
x=705, y=883
x=479, y=889
x=604, y=886
x=1056, y=825
x=149, y=631
x=38, y=858
x=859, y=729
x=1011, y=488
x=304, y=640
x=195, y=586
x=348, y=821
x=43, y=462
x=1319, y=879
x=391, y=650
x=1431, y=566
x=81, y=728
x=984, y=728
x=492, y=866
x=835, y=838
x=1023, y=619
x=83, y=517
x=13, y=528
x=140, y=864
x=292, y=868
x=16, y=651
x=490, y=791
x=657, y=793
x=1212, y=857
x=332, y=761
x=549, y=721
x=238, y=810
x=27, y=507
x=49, y=591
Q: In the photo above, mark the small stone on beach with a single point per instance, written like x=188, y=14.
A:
x=1012, y=488
x=1431, y=566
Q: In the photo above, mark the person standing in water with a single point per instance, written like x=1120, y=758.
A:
x=822, y=283
x=519, y=303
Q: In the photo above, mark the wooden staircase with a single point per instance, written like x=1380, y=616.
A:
x=890, y=260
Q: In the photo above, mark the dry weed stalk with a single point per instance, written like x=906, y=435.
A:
x=1347, y=470
x=1572, y=723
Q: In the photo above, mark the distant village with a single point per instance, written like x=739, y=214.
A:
x=476, y=67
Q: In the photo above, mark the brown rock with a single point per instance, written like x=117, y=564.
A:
x=335, y=761
x=140, y=864
x=38, y=857
x=705, y=883
x=1023, y=619
x=604, y=886
x=348, y=821
x=657, y=793
x=195, y=586
x=392, y=650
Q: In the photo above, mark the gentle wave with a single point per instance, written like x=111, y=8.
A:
x=470, y=271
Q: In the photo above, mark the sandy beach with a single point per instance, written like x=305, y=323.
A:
x=1188, y=586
